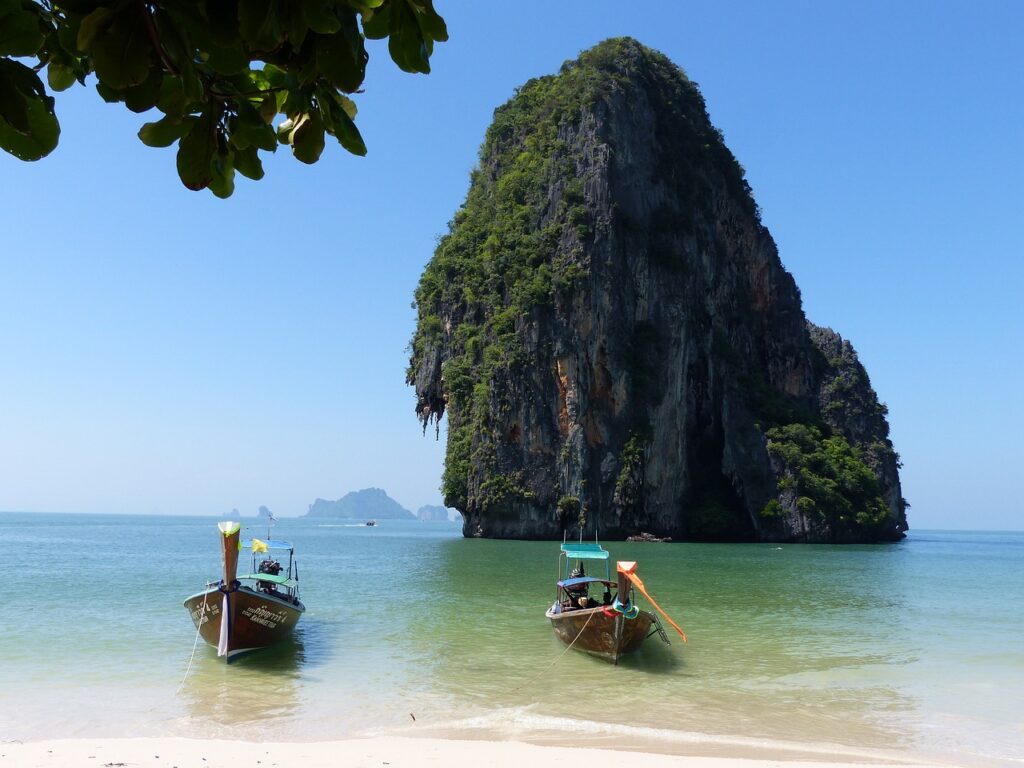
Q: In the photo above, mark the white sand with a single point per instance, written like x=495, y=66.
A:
x=391, y=751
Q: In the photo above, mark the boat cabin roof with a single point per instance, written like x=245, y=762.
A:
x=569, y=583
x=585, y=551
x=271, y=544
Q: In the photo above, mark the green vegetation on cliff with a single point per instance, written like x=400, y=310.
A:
x=827, y=475
x=518, y=243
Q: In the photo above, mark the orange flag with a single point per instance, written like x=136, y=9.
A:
x=629, y=569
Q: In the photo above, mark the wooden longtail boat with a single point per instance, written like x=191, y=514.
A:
x=602, y=625
x=242, y=613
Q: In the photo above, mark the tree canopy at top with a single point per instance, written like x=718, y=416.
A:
x=220, y=71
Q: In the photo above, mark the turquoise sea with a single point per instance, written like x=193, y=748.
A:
x=913, y=649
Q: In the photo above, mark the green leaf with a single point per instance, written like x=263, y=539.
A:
x=284, y=131
x=222, y=182
x=308, y=139
x=144, y=96
x=227, y=61
x=248, y=129
x=248, y=163
x=93, y=26
x=377, y=24
x=108, y=94
x=341, y=57
x=165, y=131
x=171, y=100
x=260, y=25
x=13, y=102
x=268, y=108
x=275, y=76
x=177, y=46
x=295, y=24
x=222, y=20
x=196, y=151
x=59, y=76
x=122, y=53
x=345, y=131
x=223, y=51
x=406, y=45
x=41, y=135
x=346, y=104
x=67, y=33
x=320, y=16
x=19, y=32
x=81, y=6
x=431, y=24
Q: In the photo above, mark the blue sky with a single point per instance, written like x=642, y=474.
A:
x=164, y=351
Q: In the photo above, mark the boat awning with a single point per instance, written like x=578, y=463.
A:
x=570, y=583
x=271, y=544
x=585, y=551
x=281, y=581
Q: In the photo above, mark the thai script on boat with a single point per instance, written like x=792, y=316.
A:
x=204, y=613
x=262, y=616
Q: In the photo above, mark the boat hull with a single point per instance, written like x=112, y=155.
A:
x=594, y=632
x=255, y=619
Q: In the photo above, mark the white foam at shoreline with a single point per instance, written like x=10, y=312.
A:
x=520, y=722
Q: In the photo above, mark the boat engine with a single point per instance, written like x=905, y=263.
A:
x=270, y=566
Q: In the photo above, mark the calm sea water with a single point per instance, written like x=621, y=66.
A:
x=909, y=649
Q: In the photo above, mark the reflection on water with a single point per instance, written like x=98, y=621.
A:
x=255, y=688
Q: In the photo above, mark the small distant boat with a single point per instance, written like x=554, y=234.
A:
x=371, y=522
x=244, y=613
x=600, y=624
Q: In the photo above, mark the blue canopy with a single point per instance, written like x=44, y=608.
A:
x=585, y=551
x=570, y=583
x=271, y=544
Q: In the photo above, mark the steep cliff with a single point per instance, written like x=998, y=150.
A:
x=616, y=343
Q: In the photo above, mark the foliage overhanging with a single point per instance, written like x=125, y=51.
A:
x=220, y=71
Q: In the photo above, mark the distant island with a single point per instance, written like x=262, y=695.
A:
x=432, y=513
x=367, y=504
x=264, y=512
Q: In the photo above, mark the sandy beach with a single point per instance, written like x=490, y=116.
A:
x=394, y=752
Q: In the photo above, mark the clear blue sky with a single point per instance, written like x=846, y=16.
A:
x=164, y=351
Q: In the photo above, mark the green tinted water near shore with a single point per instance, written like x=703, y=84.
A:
x=913, y=647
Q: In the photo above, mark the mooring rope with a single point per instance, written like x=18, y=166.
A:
x=195, y=643
x=559, y=657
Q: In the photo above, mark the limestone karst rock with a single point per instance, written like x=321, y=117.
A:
x=611, y=333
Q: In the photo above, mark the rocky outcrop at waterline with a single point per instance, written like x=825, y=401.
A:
x=615, y=342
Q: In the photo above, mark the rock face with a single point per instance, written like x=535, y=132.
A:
x=617, y=345
x=367, y=504
x=431, y=513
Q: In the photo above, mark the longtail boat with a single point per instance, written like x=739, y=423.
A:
x=603, y=625
x=245, y=612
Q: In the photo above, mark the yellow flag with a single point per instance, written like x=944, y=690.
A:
x=259, y=546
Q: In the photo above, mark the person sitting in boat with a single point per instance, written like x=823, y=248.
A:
x=578, y=597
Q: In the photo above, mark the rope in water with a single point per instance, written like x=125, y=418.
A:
x=195, y=643
x=558, y=658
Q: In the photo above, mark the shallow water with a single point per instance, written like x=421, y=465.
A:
x=914, y=648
